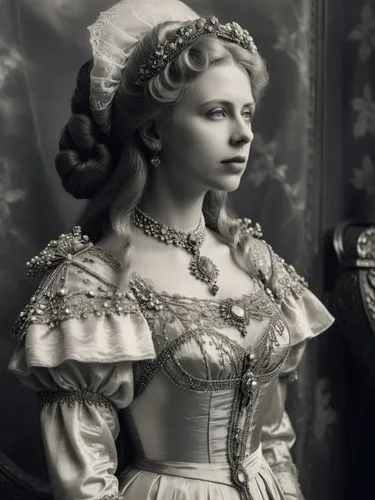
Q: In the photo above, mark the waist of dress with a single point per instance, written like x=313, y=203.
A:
x=217, y=472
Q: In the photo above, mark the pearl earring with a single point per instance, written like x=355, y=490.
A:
x=155, y=159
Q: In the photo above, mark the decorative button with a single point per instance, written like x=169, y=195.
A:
x=241, y=476
x=249, y=384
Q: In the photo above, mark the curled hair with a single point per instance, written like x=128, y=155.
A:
x=113, y=171
x=86, y=156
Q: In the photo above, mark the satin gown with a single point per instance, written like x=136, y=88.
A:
x=201, y=381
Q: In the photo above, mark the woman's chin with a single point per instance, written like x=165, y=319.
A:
x=229, y=184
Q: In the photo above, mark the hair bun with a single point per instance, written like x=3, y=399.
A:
x=83, y=162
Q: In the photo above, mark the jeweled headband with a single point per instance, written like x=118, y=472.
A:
x=187, y=34
x=118, y=30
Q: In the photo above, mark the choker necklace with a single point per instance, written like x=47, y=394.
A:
x=202, y=268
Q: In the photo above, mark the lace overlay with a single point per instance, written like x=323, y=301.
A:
x=113, y=37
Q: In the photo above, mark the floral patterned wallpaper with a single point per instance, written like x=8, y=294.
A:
x=359, y=76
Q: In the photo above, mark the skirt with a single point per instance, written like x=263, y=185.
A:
x=196, y=481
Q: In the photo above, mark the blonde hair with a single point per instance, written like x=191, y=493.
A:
x=122, y=160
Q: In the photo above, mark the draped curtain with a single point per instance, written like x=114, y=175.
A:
x=42, y=44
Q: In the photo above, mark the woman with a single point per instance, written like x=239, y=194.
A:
x=171, y=308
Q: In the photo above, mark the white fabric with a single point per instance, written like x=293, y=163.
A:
x=105, y=339
x=305, y=316
x=113, y=37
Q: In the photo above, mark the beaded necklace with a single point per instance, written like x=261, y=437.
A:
x=201, y=267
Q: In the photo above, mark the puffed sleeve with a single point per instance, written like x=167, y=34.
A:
x=78, y=338
x=306, y=317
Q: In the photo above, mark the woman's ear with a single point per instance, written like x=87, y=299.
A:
x=150, y=135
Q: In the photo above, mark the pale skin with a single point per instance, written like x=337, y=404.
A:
x=210, y=124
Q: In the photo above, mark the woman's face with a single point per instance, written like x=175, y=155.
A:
x=206, y=138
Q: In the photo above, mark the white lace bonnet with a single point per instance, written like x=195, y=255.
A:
x=113, y=37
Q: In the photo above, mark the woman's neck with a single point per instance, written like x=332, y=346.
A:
x=178, y=212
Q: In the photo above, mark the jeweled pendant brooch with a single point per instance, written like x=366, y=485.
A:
x=235, y=314
x=204, y=269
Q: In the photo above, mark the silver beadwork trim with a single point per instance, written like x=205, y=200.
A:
x=70, y=397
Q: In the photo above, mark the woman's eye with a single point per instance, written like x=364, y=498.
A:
x=217, y=113
x=248, y=115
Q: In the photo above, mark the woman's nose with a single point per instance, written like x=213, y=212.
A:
x=242, y=133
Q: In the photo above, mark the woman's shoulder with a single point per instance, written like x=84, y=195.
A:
x=279, y=276
x=77, y=279
x=78, y=311
x=303, y=312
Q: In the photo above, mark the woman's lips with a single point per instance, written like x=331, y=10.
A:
x=235, y=159
x=235, y=164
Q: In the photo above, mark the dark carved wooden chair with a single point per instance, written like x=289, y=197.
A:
x=354, y=292
x=354, y=308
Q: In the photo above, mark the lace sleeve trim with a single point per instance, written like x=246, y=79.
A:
x=70, y=397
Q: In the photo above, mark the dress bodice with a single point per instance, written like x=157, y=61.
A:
x=197, y=379
x=201, y=399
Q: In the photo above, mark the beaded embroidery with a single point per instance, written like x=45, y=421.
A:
x=252, y=376
x=175, y=320
x=53, y=302
x=279, y=278
x=168, y=356
x=51, y=310
x=59, y=251
x=202, y=313
x=247, y=226
x=287, y=281
x=70, y=397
